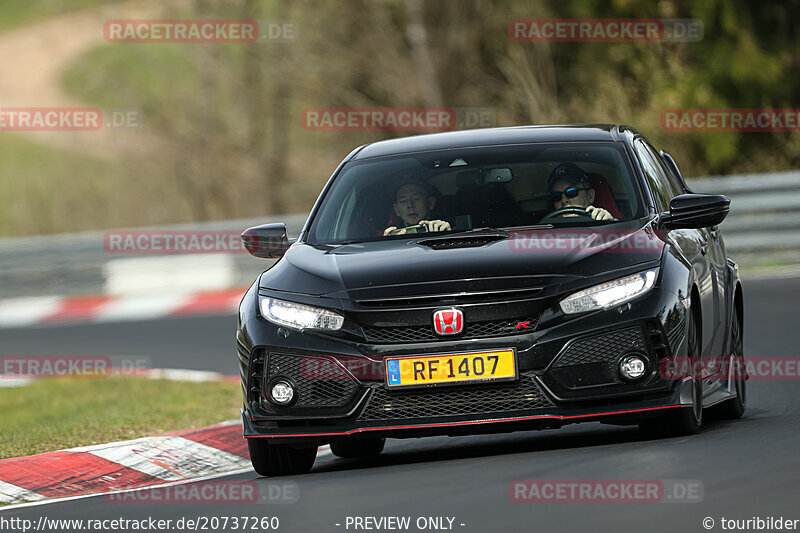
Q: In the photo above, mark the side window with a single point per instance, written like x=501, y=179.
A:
x=675, y=182
x=344, y=216
x=656, y=176
x=668, y=177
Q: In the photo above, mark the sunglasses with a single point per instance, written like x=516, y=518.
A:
x=570, y=192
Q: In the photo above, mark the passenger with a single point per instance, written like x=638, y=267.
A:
x=413, y=204
x=569, y=186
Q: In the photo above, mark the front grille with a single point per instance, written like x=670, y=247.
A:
x=314, y=388
x=592, y=361
x=451, y=298
x=455, y=400
x=602, y=348
x=473, y=330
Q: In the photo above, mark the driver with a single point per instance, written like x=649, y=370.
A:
x=569, y=186
x=413, y=204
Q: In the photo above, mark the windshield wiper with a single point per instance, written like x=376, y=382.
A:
x=345, y=243
x=474, y=231
x=530, y=226
x=504, y=231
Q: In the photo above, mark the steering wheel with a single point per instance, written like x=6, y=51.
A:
x=416, y=228
x=570, y=210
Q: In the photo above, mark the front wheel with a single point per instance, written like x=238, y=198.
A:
x=683, y=420
x=734, y=408
x=280, y=459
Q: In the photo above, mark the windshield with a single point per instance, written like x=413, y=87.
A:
x=456, y=190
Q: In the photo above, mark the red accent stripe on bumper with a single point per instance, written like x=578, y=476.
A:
x=470, y=422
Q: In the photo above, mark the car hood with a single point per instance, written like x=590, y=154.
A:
x=404, y=267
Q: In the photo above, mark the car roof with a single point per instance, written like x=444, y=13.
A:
x=493, y=137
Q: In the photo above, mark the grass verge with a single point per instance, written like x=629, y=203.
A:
x=53, y=414
x=48, y=189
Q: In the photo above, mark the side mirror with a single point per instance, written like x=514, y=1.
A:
x=268, y=241
x=694, y=211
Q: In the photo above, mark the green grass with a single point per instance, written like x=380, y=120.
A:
x=47, y=189
x=769, y=267
x=154, y=78
x=53, y=414
x=15, y=13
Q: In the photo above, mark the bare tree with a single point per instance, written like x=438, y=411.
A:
x=420, y=50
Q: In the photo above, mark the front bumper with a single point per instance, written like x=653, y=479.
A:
x=567, y=373
x=629, y=412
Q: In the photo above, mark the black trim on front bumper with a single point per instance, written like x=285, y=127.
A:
x=628, y=412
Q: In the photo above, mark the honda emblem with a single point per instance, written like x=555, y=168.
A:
x=448, y=321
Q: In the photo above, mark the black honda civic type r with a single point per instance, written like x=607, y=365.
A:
x=490, y=281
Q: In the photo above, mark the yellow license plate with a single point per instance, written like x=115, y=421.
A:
x=498, y=365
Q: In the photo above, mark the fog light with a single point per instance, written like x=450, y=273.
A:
x=632, y=367
x=281, y=392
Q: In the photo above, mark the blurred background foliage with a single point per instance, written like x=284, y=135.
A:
x=222, y=136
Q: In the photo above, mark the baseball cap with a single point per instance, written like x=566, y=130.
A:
x=568, y=172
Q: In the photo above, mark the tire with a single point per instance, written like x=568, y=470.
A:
x=280, y=459
x=734, y=408
x=358, y=447
x=684, y=420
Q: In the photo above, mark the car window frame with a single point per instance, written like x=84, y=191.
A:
x=670, y=179
x=638, y=190
x=674, y=174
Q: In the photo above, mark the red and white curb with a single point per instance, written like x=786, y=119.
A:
x=121, y=467
x=107, y=468
x=177, y=374
x=37, y=310
x=169, y=374
x=179, y=456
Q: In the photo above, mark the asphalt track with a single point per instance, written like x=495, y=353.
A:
x=748, y=468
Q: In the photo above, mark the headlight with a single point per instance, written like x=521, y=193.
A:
x=610, y=294
x=299, y=316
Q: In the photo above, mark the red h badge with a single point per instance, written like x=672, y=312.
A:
x=448, y=321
